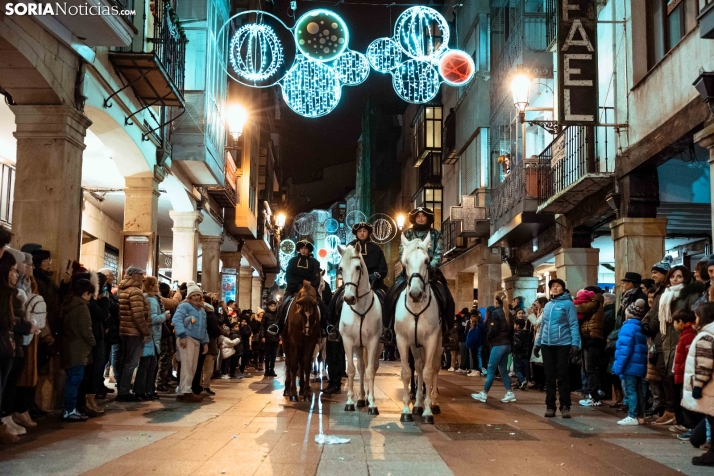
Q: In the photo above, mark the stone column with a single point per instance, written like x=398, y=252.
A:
x=210, y=263
x=245, y=287
x=256, y=295
x=705, y=138
x=141, y=203
x=185, y=244
x=488, y=275
x=578, y=267
x=639, y=243
x=464, y=296
x=527, y=287
x=47, y=206
x=92, y=256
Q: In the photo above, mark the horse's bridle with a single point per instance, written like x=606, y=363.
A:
x=361, y=315
x=428, y=304
x=359, y=280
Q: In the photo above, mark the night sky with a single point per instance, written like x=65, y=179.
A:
x=308, y=145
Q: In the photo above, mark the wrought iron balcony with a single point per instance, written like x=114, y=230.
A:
x=155, y=66
x=452, y=244
x=581, y=164
x=225, y=195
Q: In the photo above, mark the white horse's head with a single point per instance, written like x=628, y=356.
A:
x=353, y=271
x=415, y=260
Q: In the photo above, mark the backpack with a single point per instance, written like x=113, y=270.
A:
x=36, y=313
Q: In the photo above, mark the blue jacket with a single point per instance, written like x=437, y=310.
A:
x=157, y=318
x=473, y=338
x=185, y=328
x=631, y=350
x=560, y=323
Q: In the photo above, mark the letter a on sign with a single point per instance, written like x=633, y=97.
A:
x=577, y=62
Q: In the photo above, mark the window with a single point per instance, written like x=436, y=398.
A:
x=111, y=258
x=668, y=21
x=7, y=192
x=430, y=197
x=427, y=132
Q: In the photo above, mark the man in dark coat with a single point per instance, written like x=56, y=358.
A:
x=377, y=270
x=270, y=337
x=302, y=267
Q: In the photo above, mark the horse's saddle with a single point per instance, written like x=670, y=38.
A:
x=441, y=293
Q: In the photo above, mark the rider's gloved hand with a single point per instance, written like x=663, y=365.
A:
x=373, y=277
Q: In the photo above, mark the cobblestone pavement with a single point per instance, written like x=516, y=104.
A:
x=248, y=428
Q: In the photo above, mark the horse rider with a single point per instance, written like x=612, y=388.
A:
x=422, y=219
x=377, y=269
x=301, y=268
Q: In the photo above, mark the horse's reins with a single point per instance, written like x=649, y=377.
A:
x=361, y=315
x=428, y=304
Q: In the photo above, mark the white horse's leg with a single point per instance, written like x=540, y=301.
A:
x=350, y=406
x=428, y=369
x=419, y=370
x=436, y=366
x=374, y=350
x=359, y=353
x=406, y=378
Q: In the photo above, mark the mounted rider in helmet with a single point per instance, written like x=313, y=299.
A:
x=377, y=270
x=422, y=219
x=301, y=268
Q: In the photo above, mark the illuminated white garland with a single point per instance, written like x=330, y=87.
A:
x=413, y=32
x=384, y=55
x=256, y=53
x=310, y=88
x=352, y=68
x=416, y=81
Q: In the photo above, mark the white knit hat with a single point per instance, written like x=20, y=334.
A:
x=192, y=287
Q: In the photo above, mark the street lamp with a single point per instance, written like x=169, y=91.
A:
x=280, y=220
x=705, y=87
x=521, y=87
x=237, y=117
x=400, y=221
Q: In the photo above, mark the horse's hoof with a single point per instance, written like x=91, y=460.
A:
x=373, y=411
x=285, y=393
x=350, y=407
x=293, y=398
x=406, y=418
x=417, y=410
x=361, y=403
x=435, y=409
x=428, y=419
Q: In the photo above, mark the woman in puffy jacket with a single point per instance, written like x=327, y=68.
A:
x=631, y=361
x=558, y=340
x=144, y=382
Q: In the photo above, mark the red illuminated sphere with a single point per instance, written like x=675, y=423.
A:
x=322, y=253
x=456, y=67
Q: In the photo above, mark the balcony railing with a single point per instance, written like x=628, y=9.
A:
x=127, y=6
x=170, y=44
x=526, y=181
x=581, y=162
x=451, y=241
x=226, y=195
x=551, y=21
x=430, y=170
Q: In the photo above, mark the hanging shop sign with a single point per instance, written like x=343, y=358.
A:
x=311, y=61
x=577, y=62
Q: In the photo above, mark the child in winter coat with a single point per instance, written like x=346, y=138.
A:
x=583, y=297
x=631, y=361
x=698, y=395
x=521, y=352
x=474, y=342
x=683, y=321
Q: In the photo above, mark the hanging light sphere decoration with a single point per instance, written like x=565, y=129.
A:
x=256, y=53
x=311, y=88
x=352, y=68
x=456, y=67
x=384, y=54
x=332, y=242
x=422, y=33
x=384, y=228
x=416, y=81
x=334, y=257
x=321, y=35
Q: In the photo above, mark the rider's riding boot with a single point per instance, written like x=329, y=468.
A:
x=333, y=335
x=387, y=336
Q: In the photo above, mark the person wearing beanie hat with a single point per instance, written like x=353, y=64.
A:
x=662, y=267
x=134, y=329
x=631, y=361
x=191, y=327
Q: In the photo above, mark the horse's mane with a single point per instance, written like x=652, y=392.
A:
x=306, y=301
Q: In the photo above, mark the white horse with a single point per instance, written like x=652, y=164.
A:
x=360, y=327
x=416, y=322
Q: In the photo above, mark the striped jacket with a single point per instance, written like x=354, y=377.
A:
x=698, y=372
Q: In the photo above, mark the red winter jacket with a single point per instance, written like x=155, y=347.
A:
x=680, y=358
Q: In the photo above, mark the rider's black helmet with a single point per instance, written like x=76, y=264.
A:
x=358, y=226
x=426, y=211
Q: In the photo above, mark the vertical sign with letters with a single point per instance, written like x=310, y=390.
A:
x=577, y=62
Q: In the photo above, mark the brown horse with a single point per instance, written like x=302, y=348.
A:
x=299, y=340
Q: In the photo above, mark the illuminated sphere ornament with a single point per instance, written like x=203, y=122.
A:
x=304, y=223
x=256, y=53
x=456, y=67
x=352, y=68
x=354, y=217
x=322, y=253
x=332, y=242
x=384, y=54
x=321, y=35
x=331, y=225
x=422, y=33
x=334, y=257
x=384, y=228
x=287, y=247
x=416, y=81
x=311, y=88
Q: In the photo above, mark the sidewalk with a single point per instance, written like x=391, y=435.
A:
x=249, y=428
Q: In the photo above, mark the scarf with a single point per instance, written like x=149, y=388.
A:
x=424, y=227
x=665, y=306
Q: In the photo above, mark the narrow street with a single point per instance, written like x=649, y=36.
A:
x=248, y=428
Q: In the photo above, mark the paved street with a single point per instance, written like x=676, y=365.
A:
x=250, y=429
